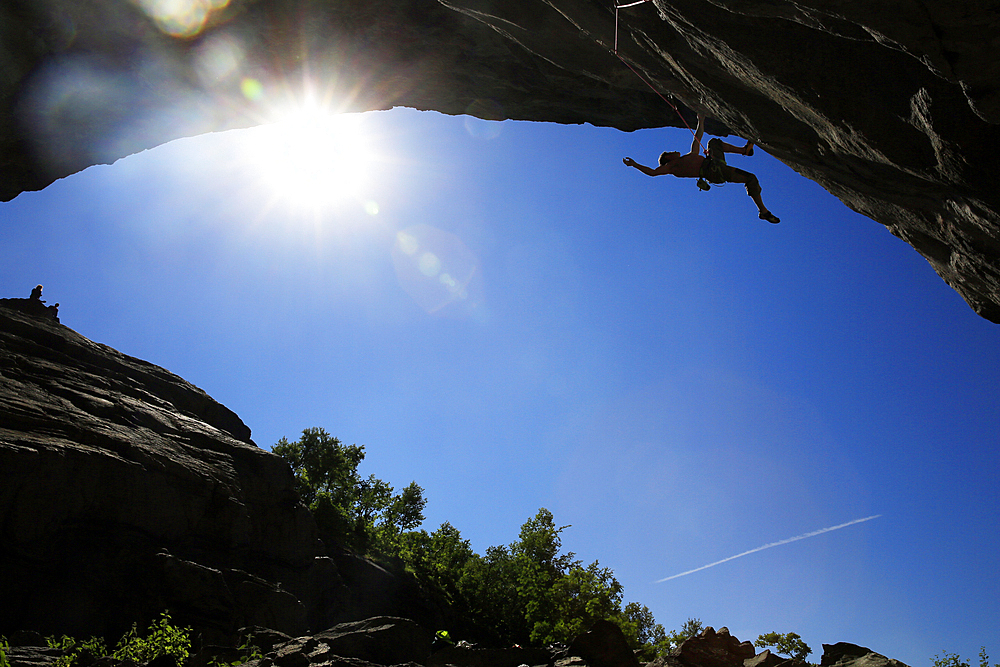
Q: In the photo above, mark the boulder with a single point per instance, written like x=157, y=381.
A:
x=381, y=640
x=32, y=656
x=714, y=649
x=604, y=645
x=767, y=659
x=843, y=654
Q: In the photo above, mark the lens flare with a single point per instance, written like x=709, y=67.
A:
x=251, y=88
x=181, y=18
x=483, y=119
x=433, y=266
x=218, y=59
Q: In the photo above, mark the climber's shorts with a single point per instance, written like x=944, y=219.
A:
x=715, y=170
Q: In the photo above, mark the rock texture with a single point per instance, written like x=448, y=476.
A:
x=604, y=645
x=843, y=654
x=124, y=491
x=714, y=649
x=390, y=641
x=892, y=106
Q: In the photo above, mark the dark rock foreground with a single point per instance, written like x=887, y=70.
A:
x=387, y=641
x=891, y=106
x=125, y=490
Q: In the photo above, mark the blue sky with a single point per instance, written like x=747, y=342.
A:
x=508, y=315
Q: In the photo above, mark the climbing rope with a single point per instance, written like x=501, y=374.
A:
x=643, y=79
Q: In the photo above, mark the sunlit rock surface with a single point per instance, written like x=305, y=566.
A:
x=891, y=106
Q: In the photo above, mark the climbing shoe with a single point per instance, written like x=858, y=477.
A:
x=770, y=217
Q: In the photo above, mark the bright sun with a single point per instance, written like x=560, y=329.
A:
x=312, y=159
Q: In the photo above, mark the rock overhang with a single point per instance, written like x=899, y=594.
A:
x=892, y=108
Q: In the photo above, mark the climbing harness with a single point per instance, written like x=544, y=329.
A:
x=643, y=79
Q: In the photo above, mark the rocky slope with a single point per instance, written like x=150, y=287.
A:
x=891, y=106
x=398, y=641
x=124, y=491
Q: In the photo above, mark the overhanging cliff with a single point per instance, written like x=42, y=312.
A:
x=892, y=106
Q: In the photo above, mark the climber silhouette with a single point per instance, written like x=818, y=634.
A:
x=713, y=168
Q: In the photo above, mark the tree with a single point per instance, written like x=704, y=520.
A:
x=581, y=596
x=642, y=632
x=438, y=560
x=789, y=644
x=675, y=638
x=362, y=514
x=538, y=566
x=954, y=660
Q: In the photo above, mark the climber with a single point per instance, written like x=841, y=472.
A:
x=713, y=168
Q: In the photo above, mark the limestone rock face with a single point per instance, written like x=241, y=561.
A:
x=125, y=491
x=891, y=106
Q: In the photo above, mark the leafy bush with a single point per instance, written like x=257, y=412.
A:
x=954, y=660
x=248, y=651
x=789, y=644
x=72, y=650
x=4, y=646
x=163, y=639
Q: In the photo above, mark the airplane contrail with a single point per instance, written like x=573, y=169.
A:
x=768, y=546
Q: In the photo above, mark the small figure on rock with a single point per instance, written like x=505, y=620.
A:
x=33, y=305
x=712, y=169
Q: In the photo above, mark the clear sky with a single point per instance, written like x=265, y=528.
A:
x=506, y=314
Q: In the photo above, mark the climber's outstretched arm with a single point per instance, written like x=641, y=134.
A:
x=699, y=133
x=649, y=171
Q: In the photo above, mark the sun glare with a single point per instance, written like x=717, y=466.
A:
x=312, y=160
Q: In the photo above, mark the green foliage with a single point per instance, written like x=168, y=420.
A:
x=642, y=631
x=691, y=628
x=789, y=644
x=950, y=660
x=163, y=639
x=248, y=651
x=527, y=592
x=438, y=560
x=954, y=660
x=362, y=514
x=4, y=647
x=72, y=650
